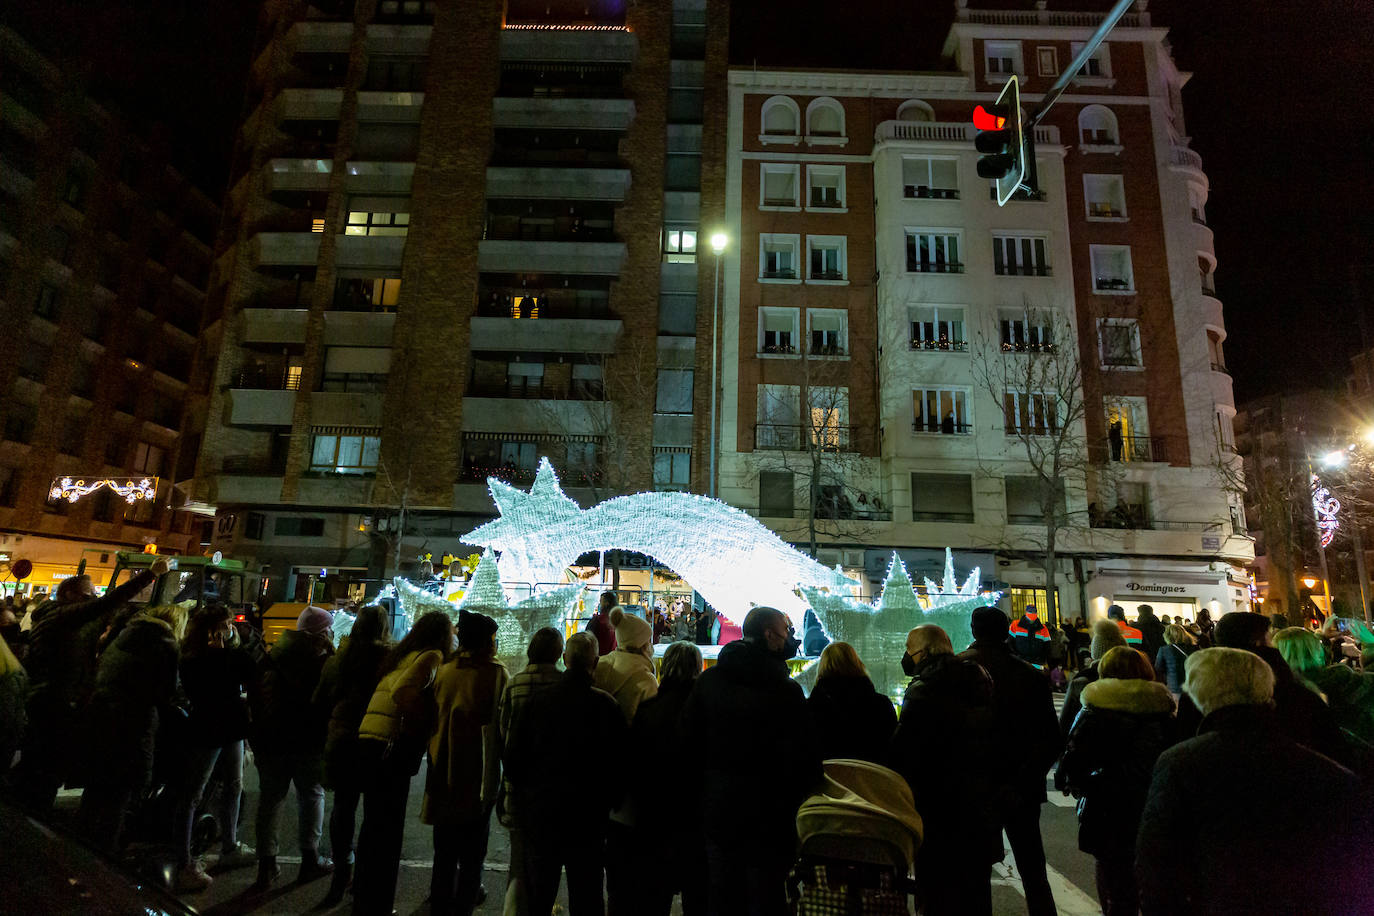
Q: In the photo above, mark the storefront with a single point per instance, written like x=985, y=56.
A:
x=1172, y=589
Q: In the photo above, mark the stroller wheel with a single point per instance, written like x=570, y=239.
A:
x=203, y=834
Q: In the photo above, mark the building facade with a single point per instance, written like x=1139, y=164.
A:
x=879, y=308
x=460, y=237
x=105, y=252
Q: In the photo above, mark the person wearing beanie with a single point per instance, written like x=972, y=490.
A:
x=627, y=673
x=1023, y=707
x=464, y=765
x=1106, y=635
x=287, y=737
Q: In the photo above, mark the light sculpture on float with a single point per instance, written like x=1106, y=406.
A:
x=878, y=631
x=515, y=623
x=733, y=561
x=129, y=489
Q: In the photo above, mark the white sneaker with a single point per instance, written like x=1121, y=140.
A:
x=192, y=879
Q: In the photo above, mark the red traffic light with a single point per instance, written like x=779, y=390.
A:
x=986, y=120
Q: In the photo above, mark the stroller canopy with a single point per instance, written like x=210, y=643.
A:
x=859, y=799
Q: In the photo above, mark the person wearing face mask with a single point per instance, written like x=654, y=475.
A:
x=747, y=731
x=945, y=747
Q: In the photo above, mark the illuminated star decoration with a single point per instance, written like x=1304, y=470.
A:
x=515, y=623
x=130, y=489
x=1325, y=506
x=727, y=556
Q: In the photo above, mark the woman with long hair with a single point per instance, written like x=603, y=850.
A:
x=391, y=743
x=852, y=718
x=345, y=687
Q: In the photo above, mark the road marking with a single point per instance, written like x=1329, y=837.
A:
x=1069, y=899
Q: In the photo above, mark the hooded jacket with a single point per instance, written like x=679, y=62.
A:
x=1030, y=639
x=1124, y=726
x=628, y=677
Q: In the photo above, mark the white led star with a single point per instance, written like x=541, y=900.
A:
x=516, y=623
x=727, y=556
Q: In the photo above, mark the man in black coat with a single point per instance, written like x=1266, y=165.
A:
x=1222, y=803
x=946, y=747
x=570, y=727
x=749, y=730
x=1031, y=742
x=1151, y=630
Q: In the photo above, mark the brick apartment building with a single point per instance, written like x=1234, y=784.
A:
x=105, y=252
x=459, y=236
x=874, y=275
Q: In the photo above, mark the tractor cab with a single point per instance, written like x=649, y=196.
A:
x=197, y=580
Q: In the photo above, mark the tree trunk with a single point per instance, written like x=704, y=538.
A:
x=1051, y=615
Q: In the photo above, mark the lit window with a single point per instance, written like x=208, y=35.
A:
x=828, y=412
x=1030, y=413
x=1026, y=332
x=938, y=327
x=317, y=224
x=679, y=246
x=364, y=222
x=345, y=454
x=941, y=410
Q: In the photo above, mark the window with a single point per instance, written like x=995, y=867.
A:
x=778, y=330
x=1112, y=268
x=777, y=493
x=1097, y=67
x=366, y=222
x=253, y=525
x=1197, y=203
x=1214, y=351
x=779, y=412
x=1097, y=126
x=1047, y=61
x=1023, y=597
x=933, y=251
x=1118, y=341
x=1030, y=413
x=679, y=245
x=1226, y=434
x=825, y=254
x=778, y=185
x=682, y=172
x=928, y=177
x=1132, y=509
x=824, y=118
x=825, y=184
x=672, y=468
x=781, y=117
x=367, y=294
x=1020, y=256
x=297, y=527
x=941, y=497
x=73, y=435
x=1128, y=431
x=827, y=329
x=1105, y=196
x=938, y=327
x=1003, y=58
x=148, y=459
x=827, y=411
x=45, y=306
x=20, y=422
x=74, y=187
x=9, y=485
x=1026, y=499
x=941, y=410
x=345, y=454
x=778, y=257
x=1026, y=332
x=674, y=391
x=915, y=110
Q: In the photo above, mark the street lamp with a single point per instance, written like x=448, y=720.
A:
x=718, y=242
x=1309, y=582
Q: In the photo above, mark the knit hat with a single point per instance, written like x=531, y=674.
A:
x=316, y=621
x=631, y=632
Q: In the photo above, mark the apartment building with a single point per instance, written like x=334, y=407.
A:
x=877, y=292
x=460, y=237
x=105, y=252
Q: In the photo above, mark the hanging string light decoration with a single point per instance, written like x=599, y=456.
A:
x=1326, y=507
x=729, y=557
x=129, y=489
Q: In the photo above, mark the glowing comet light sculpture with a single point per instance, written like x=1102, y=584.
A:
x=727, y=556
x=1326, y=507
x=130, y=489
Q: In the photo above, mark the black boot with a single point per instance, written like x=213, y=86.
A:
x=338, y=883
x=312, y=867
x=268, y=872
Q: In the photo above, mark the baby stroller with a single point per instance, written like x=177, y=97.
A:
x=859, y=835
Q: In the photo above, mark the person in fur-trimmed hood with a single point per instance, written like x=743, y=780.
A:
x=1127, y=721
x=627, y=673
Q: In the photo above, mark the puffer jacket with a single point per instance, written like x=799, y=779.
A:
x=286, y=719
x=136, y=677
x=1107, y=764
x=401, y=711
x=628, y=677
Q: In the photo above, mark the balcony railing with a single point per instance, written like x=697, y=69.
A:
x=1114, y=284
x=825, y=202
x=944, y=344
x=561, y=230
x=1023, y=346
x=1022, y=270
x=1105, y=211
x=825, y=349
x=827, y=275
x=921, y=192
x=267, y=379
x=795, y=437
x=1137, y=448
x=780, y=201
x=558, y=305
x=944, y=427
x=523, y=475
x=778, y=349
x=933, y=267
x=253, y=465
x=1134, y=517
x=578, y=391
x=363, y=382
x=782, y=274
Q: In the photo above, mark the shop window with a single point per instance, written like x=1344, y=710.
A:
x=1024, y=599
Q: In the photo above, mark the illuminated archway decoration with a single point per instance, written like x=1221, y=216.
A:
x=727, y=556
x=129, y=489
x=1325, y=506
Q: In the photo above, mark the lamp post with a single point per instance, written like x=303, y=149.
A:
x=1339, y=459
x=718, y=242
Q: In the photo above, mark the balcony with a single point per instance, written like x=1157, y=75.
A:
x=538, y=390
x=790, y=437
x=1022, y=270
x=358, y=329
x=610, y=45
x=391, y=107
x=942, y=345
x=307, y=104
x=345, y=408
x=548, y=229
x=533, y=415
x=1113, y=285
x=946, y=427
x=1182, y=159
x=268, y=325
x=261, y=407
x=564, y=114
x=946, y=132
x=268, y=378
x=546, y=335
x=552, y=257
x=558, y=183
x=933, y=267
x=921, y=192
x=372, y=252
x=284, y=249
x=1137, y=448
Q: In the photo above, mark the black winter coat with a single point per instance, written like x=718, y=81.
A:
x=1151, y=633
x=1241, y=820
x=213, y=680
x=1169, y=666
x=1073, y=698
x=1024, y=706
x=135, y=679
x=345, y=688
x=747, y=721
x=286, y=720
x=1124, y=726
x=852, y=719
x=946, y=747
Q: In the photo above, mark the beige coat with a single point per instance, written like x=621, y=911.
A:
x=627, y=676
x=465, y=750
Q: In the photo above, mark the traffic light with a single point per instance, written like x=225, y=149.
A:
x=1000, y=141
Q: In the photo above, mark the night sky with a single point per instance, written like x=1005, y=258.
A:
x=1273, y=107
